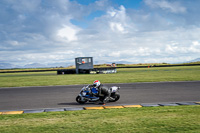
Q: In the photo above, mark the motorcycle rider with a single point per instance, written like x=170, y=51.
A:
x=103, y=91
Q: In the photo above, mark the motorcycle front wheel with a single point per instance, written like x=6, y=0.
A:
x=78, y=99
x=115, y=97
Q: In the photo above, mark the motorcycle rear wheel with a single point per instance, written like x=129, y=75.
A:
x=78, y=99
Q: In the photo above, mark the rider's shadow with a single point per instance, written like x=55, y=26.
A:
x=75, y=103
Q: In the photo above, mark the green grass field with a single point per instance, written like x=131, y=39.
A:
x=182, y=119
x=123, y=75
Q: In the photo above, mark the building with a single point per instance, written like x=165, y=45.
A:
x=84, y=65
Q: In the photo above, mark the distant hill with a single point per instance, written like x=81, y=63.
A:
x=32, y=65
x=7, y=66
x=4, y=65
x=35, y=65
x=195, y=60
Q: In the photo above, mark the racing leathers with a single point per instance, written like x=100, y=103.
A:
x=103, y=93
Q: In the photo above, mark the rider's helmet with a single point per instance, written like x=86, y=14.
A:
x=96, y=83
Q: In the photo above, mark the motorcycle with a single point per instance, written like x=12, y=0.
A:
x=88, y=94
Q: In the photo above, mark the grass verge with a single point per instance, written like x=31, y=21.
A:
x=146, y=119
x=123, y=75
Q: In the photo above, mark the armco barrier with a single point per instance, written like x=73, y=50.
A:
x=113, y=107
x=132, y=106
x=187, y=103
x=12, y=112
x=53, y=110
x=91, y=108
x=169, y=104
x=150, y=105
x=73, y=109
x=98, y=108
x=34, y=111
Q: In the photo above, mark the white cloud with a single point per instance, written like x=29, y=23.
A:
x=114, y=54
x=168, y=31
x=195, y=47
x=68, y=33
x=195, y=43
x=24, y=5
x=118, y=20
x=13, y=43
x=174, y=6
x=116, y=27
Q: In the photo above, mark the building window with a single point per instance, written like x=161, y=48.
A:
x=86, y=60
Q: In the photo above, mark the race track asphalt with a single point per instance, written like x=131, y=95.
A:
x=18, y=98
